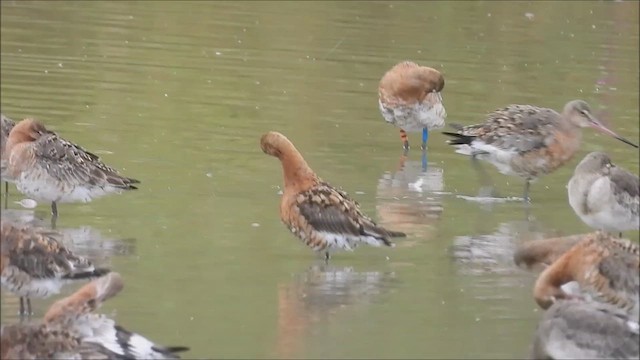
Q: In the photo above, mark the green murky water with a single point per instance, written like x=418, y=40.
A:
x=177, y=95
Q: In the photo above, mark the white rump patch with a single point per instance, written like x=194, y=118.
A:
x=347, y=242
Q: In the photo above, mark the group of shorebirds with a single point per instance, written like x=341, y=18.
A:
x=601, y=307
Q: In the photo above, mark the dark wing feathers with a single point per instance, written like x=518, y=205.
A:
x=459, y=139
x=522, y=127
x=71, y=163
x=329, y=218
x=40, y=255
x=328, y=209
x=625, y=182
x=123, y=339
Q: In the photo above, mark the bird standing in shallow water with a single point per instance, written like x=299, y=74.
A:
x=34, y=264
x=323, y=217
x=6, y=125
x=46, y=167
x=409, y=97
x=528, y=141
x=605, y=196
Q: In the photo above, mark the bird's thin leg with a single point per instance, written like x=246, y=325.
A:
x=29, y=311
x=326, y=257
x=425, y=137
x=527, y=185
x=54, y=214
x=620, y=235
x=405, y=140
x=487, y=184
x=6, y=195
x=21, y=313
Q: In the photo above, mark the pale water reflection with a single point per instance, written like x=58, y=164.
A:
x=409, y=199
x=493, y=253
x=320, y=296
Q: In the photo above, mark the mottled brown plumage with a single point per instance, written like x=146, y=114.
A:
x=47, y=167
x=34, y=263
x=604, y=267
x=323, y=217
x=409, y=97
x=528, y=141
x=71, y=329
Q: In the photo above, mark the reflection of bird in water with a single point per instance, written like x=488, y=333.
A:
x=319, y=293
x=93, y=244
x=573, y=329
x=23, y=217
x=492, y=252
x=410, y=199
x=85, y=240
x=6, y=125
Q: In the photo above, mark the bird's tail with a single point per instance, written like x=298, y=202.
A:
x=458, y=139
x=88, y=274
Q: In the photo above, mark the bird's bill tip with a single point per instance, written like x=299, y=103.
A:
x=597, y=125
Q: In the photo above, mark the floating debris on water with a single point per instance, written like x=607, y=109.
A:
x=27, y=203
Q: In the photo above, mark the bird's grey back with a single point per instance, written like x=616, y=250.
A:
x=585, y=330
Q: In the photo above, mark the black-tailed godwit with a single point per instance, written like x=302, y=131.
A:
x=528, y=141
x=573, y=329
x=323, y=217
x=605, y=269
x=48, y=168
x=409, y=97
x=605, y=196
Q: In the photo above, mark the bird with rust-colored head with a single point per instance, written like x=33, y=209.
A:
x=528, y=141
x=323, y=217
x=46, y=167
x=410, y=97
x=71, y=329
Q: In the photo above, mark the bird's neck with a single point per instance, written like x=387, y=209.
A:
x=297, y=174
